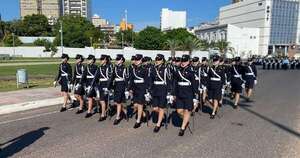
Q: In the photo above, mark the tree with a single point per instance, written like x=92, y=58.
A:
x=190, y=44
x=127, y=36
x=35, y=25
x=179, y=34
x=41, y=42
x=77, y=32
x=151, y=38
x=222, y=46
x=173, y=45
x=10, y=41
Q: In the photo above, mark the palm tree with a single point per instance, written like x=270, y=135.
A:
x=173, y=45
x=205, y=45
x=222, y=46
x=190, y=44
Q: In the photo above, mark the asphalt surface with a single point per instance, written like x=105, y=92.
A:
x=269, y=127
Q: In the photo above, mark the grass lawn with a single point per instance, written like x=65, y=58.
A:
x=39, y=76
x=27, y=60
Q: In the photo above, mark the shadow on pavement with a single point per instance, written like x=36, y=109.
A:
x=281, y=126
x=21, y=142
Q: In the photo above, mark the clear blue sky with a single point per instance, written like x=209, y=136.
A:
x=140, y=12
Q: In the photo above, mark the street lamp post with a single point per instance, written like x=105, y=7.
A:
x=61, y=37
x=14, y=50
x=122, y=40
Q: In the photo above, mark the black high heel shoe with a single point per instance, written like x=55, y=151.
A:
x=156, y=129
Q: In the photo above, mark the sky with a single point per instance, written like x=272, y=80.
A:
x=141, y=13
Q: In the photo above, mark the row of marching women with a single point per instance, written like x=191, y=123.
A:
x=183, y=83
x=282, y=63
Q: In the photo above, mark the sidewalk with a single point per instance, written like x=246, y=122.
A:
x=28, y=99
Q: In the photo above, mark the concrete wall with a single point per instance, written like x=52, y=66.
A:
x=38, y=52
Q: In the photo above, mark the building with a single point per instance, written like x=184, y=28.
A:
x=278, y=22
x=244, y=41
x=125, y=26
x=49, y=8
x=98, y=21
x=77, y=7
x=172, y=19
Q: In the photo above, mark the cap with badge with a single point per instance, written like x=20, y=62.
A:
x=195, y=59
x=204, y=59
x=120, y=57
x=103, y=57
x=78, y=56
x=65, y=56
x=138, y=57
x=215, y=58
x=177, y=59
x=133, y=58
x=237, y=59
x=91, y=57
x=185, y=58
x=159, y=57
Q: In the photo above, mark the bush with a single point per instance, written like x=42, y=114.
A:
x=41, y=42
x=8, y=40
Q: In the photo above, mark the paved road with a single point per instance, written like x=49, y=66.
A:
x=268, y=127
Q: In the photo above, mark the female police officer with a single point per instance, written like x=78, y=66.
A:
x=185, y=91
x=160, y=87
x=64, y=78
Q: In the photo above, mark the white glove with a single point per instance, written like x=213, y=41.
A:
x=127, y=95
x=70, y=86
x=201, y=90
x=255, y=82
x=105, y=91
x=97, y=93
x=77, y=86
x=243, y=85
x=147, y=97
x=170, y=99
x=223, y=91
x=204, y=88
x=55, y=83
x=228, y=83
x=88, y=89
x=195, y=101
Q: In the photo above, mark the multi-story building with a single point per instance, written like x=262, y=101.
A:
x=49, y=8
x=244, y=41
x=77, y=7
x=125, y=26
x=172, y=19
x=98, y=21
x=278, y=22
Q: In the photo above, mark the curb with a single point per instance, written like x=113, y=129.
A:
x=6, y=109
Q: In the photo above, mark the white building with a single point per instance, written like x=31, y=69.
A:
x=172, y=19
x=278, y=22
x=77, y=7
x=244, y=41
x=98, y=21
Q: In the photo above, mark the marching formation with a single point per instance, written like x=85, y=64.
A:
x=280, y=63
x=182, y=83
